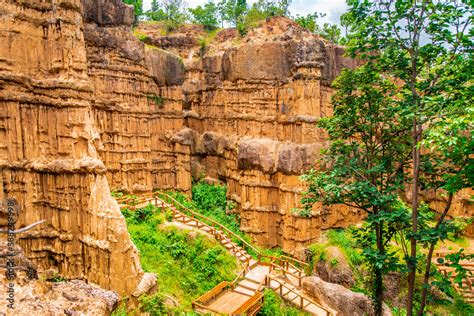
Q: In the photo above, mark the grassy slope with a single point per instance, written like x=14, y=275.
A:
x=187, y=264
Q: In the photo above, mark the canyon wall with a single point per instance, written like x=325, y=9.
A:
x=136, y=104
x=49, y=158
x=254, y=106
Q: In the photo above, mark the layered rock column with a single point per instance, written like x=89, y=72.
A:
x=136, y=102
x=48, y=155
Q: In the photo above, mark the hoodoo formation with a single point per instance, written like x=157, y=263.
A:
x=93, y=102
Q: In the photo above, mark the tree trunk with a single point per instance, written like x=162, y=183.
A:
x=424, y=292
x=378, y=275
x=414, y=206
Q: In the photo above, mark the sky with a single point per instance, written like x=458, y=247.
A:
x=332, y=8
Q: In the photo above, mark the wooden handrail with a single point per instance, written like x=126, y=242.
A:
x=287, y=258
x=193, y=304
x=222, y=227
x=301, y=295
x=282, y=260
x=211, y=294
x=251, y=302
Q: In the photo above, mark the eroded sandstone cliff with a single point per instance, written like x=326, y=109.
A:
x=48, y=147
x=250, y=110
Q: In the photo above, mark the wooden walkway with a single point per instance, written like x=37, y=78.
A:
x=244, y=295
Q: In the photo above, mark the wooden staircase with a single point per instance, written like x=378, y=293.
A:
x=244, y=295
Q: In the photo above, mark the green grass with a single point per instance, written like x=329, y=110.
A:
x=343, y=239
x=187, y=264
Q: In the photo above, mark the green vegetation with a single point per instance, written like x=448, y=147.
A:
x=328, y=31
x=172, y=12
x=157, y=100
x=343, y=239
x=187, y=264
x=211, y=201
x=403, y=121
x=273, y=305
x=206, y=15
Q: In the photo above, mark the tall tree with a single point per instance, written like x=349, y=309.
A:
x=233, y=11
x=329, y=31
x=422, y=44
x=364, y=166
x=173, y=11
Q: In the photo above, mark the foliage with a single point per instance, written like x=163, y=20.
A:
x=210, y=201
x=273, y=305
x=328, y=31
x=187, y=265
x=156, y=99
x=346, y=242
x=261, y=11
x=207, y=15
x=417, y=76
x=172, y=12
x=154, y=304
x=365, y=162
x=233, y=11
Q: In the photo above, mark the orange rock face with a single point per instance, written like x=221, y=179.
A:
x=49, y=159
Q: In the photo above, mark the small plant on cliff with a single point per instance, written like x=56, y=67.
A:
x=157, y=100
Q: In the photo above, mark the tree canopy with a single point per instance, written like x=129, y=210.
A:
x=417, y=77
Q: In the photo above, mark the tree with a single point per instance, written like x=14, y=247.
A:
x=206, y=15
x=137, y=6
x=233, y=11
x=424, y=46
x=173, y=11
x=156, y=13
x=364, y=166
x=329, y=31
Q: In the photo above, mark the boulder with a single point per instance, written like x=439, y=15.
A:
x=340, y=299
x=334, y=268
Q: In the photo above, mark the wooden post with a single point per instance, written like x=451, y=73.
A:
x=301, y=302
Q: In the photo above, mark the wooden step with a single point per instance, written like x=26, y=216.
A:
x=243, y=290
x=249, y=284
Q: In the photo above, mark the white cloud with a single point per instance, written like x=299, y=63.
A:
x=332, y=8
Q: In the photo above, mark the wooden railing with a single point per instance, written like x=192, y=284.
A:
x=283, y=261
x=213, y=293
x=230, y=234
x=302, y=297
x=298, y=275
x=219, y=231
x=255, y=300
